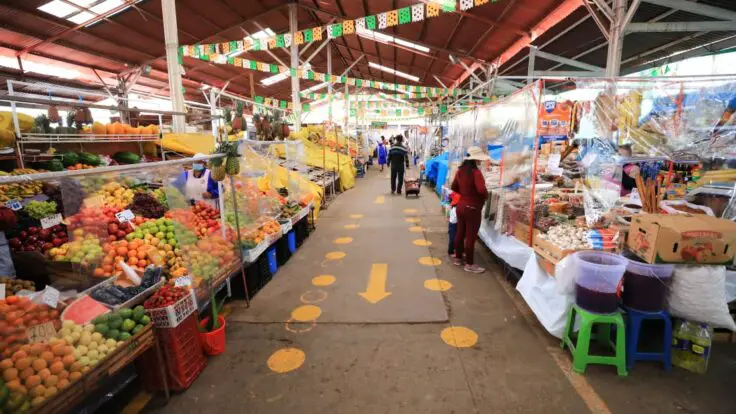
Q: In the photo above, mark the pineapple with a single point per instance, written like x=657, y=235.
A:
x=232, y=165
x=218, y=172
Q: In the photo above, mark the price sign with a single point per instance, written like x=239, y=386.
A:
x=14, y=205
x=125, y=216
x=24, y=292
x=50, y=296
x=183, y=281
x=553, y=162
x=51, y=221
x=42, y=332
x=634, y=197
x=2, y=291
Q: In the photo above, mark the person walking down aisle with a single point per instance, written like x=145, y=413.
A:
x=398, y=161
x=382, y=152
x=471, y=186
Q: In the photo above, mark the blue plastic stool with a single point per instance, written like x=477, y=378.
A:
x=291, y=236
x=273, y=264
x=633, y=326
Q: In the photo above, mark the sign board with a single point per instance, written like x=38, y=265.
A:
x=50, y=297
x=183, y=281
x=41, y=333
x=125, y=216
x=14, y=205
x=51, y=221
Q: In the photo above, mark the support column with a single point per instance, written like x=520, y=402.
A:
x=616, y=38
x=295, y=99
x=213, y=113
x=530, y=70
x=171, y=36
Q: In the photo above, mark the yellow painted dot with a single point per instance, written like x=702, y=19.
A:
x=306, y=313
x=356, y=216
x=343, y=240
x=335, y=255
x=422, y=242
x=286, y=360
x=351, y=226
x=430, y=261
x=416, y=229
x=410, y=211
x=459, y=336
x=323, y=280
x=437, y=285
x=313, y=296
x=412, y=220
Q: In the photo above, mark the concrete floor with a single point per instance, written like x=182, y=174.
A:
x=388, y=357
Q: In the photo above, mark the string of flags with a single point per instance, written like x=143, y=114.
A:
x=277, y=103
x=215, y=55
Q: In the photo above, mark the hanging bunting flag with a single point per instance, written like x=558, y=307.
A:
x=274, y=68
x=382, y=20
x=360, y=24
x=443, y=108
x=334, y=30
x=433, y=10
x=272, y=43
x=287, y=39
x=299, y=38
x=348, y=27
x=308, y=35
x=398, y=112
x=481, y=2
x=238, y=62
x=283, y=104
x=466, y=4
x=259, y=99
x=359, y=83
x=392, y=18
x=405, y=15
x=370, y=22
x=280, y=41
x=290, y=106
x=317, y=33
x=305, y=107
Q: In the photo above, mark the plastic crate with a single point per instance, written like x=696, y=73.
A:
x=172, y=315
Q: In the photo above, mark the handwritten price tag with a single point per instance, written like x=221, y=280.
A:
x=51, y=221
x=14, y=205
x=50, y=296
x=184, y=281
x=125, y=216
x=41, y=333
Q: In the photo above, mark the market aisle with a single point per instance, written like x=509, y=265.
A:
x=472, y=351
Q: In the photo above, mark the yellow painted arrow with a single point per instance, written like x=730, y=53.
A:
x=380, y=200
x=376, y=290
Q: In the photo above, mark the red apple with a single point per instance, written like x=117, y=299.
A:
x=23, y=235
x=48, y=246
x=15, y=242
x=34, y=230
x=57, y=242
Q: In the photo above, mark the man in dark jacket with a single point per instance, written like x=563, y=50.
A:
x=398, y=160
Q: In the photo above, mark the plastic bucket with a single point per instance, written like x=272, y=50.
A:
x=646, y=285
x=273, y=264
x=598, y=278
x=291, y=236
x=213, y=343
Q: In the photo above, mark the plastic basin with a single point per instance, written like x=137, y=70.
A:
x=597, y=280
x=646, y=285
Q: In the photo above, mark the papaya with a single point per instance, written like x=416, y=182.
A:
x=110, y=129
x=99, y=128
x=127, y=129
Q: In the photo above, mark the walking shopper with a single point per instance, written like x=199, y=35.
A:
x=471, y=186
x=398, y=160
x=382, y=152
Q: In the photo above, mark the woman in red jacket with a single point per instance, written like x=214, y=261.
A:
x=471, y=186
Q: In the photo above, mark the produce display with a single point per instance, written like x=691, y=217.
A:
x=121, y=325
x=13, y=286
x=18, y=191
x=40, y=209
x=123, y=290
x=166, y=296
x=17, y=314
x=36, y=239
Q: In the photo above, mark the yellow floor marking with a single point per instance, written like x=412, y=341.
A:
x=416, y=229
x=422, y=242
x=319, y=296
x=356, y=216
x=307, y=326
x=137, y=404
x=581, y=385
x=412, y=220
x=437, y=285
x=430, y=261
x=410, y=211
x=335, y=255
x=323, y=280
x=459, y=336
x=306, y=313
x=286, y=360
x=376, y=290
x=351, y=226
x=343, y=240
x=380, y=200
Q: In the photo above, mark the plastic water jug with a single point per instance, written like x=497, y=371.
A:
x=598, y=280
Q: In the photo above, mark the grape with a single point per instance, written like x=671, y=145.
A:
x=40, y=209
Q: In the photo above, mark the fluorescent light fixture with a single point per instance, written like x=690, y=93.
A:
x=393, y=71
x=40, y=68
x=315, y=88
x=384, y=38
x=280, y=76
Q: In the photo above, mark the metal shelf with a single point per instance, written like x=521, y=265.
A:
x=85, y=138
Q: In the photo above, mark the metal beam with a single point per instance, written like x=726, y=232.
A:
x=566, y=61
x=530, y=67
x=352, y=64
x=438, y=80
x=597, y=20
x=696, y=8
x=295, y=98
x=729, y=26
x=568, y=73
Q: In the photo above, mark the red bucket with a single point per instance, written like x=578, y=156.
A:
x=213, y=343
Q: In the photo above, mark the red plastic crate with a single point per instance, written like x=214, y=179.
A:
x=182, y=352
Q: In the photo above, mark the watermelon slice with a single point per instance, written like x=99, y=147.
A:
x=83, y=310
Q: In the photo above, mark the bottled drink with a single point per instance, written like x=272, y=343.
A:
x=700, y=348
x=680, y=343
x=691, y=345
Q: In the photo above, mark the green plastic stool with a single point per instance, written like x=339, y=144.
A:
x=580, y=349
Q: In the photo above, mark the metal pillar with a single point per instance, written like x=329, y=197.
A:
x=171, y=36
x=616, y=38
x=213, y=112
x=530, y=70
x=295, y=99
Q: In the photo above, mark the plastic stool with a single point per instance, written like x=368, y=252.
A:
x=633, y=326
x=273, y=264
x=581, y=347
x=292, y=241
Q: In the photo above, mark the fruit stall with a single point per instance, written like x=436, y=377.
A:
x=112, y=266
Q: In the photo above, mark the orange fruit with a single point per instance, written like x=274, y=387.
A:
x=23, y=363
x=44, y=373
x=33, y=381
x=48, y=356
x=57, y=367
x=10, y=374
x=39, y=364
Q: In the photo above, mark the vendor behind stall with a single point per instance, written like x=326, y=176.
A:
x=630, y=171
x=197, y=185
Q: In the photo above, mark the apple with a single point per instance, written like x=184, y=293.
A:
x=48, y=246
x=23, y=235
x=57, y=242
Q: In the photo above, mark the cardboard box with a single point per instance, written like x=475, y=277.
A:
x=661, y=238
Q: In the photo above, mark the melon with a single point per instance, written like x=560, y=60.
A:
x=83, y=310
x=110, y=129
